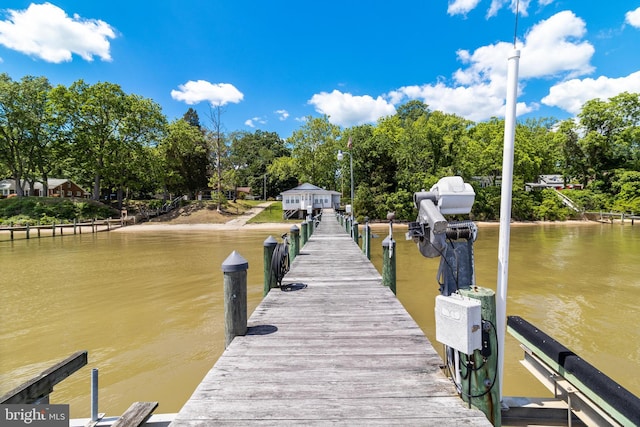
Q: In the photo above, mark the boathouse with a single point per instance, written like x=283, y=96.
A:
x=297, y=201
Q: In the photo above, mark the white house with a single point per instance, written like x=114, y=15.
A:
x=299, y=199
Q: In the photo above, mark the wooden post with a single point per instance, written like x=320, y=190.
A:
x=303, y=233
x=356, y=237
x=389, y=263
x=38, y=229
x=93, y=225
x=11, y=229
x=75, y=223
x=312, y=224
x=294, y=243
x=235, y=296
x=269, y=246
x=28, y=232
x=366, y=239
x=53, y=228
x=483, y=383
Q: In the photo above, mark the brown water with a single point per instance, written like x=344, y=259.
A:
x=148, y=306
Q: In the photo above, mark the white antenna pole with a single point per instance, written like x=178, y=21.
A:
x=505, y=206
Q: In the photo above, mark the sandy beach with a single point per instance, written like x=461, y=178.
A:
x=204, y=221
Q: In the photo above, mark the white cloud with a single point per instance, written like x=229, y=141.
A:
x=461, y=7
x=496, y=5
x=344, y=109
x=283, y=114
x=47, y=32
x=476, y=102
x=552, y=48
x=633, y=18
x=572, y=94
x=218, y=94
x=255, y=121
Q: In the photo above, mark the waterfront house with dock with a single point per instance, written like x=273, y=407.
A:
x=298, y=200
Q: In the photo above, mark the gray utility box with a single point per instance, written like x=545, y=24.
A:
x=459, y=322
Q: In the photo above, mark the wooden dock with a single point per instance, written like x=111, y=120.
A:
x=338, y=348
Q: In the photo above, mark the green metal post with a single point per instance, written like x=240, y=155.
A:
x=484, y=379
x=294, y=243
x=269, y=246
x=389, y=263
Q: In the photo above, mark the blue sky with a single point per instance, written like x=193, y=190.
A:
x=271, y=64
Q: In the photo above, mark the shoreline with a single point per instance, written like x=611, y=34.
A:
x=236, y=225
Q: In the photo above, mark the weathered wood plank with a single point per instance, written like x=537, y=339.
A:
x=42, y=385
x=137, y=414
x=340, y=349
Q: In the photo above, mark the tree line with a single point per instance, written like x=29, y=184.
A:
x=114, y=142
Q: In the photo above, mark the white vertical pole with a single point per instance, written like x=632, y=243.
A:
x=94, y=394
x=505, y=207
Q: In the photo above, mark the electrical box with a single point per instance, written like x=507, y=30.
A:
x=459, y=322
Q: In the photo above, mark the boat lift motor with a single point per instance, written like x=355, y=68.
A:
x=452, y=241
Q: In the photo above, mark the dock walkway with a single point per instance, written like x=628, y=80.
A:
x=337, y=349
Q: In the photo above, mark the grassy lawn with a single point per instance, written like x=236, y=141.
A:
x=271, y=214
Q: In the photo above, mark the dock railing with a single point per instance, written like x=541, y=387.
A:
x=588, y=393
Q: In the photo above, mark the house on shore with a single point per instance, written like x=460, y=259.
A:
x=57, y=187
x=556, y=182
x=297, y=201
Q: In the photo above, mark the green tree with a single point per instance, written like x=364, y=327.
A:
x=185, y=155
x=109, y=130
x=483, y=153
x=251, y=154
x=626, y=187
x=314, y=148
x=610, y=138
x=25, y=129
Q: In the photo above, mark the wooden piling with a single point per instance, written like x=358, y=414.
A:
x=480, y=383
x=235, y=296
x=366, y=240
x=28, y=234
x=354, y=227
x=269, y=246
x=294, y=242
x=303, y=233
x=389, y=263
